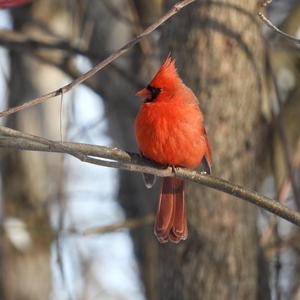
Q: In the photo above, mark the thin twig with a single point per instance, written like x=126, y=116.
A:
x=273, y=27
x=116, y=158
x=66, y=88
x=23, y=41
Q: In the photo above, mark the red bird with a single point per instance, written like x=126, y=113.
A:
x=170, y=130
x=12, y=3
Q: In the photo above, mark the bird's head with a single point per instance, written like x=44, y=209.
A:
x=164, y=83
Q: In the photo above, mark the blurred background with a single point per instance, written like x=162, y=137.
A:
x=247, y=79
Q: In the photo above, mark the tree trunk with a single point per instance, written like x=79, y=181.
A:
x=25, y=185
x=219, y=53
x=222, y=60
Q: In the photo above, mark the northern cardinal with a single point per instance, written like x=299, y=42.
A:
x=12, y=3
x=170, y=130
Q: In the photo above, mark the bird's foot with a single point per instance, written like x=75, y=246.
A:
x=174, y=171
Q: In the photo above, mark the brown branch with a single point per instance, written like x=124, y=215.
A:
x=21, y=42
x=106, y=156
x=127, y=224
x=273, y=27
x=116, y=158
x=66, y=88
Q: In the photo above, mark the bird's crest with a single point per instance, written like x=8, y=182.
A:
x=167, y=74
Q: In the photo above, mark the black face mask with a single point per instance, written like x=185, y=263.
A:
x=154, y=92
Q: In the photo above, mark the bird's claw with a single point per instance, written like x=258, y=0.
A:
x=174, y=169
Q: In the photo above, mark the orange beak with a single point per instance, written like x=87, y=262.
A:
x=144, y=93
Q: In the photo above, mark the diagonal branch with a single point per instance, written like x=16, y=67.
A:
x=273, y=27
x=66, y=88
x=116, y=158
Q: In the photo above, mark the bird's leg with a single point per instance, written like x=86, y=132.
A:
x=173, y=169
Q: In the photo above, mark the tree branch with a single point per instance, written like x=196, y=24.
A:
x=24, y=42
x=126, y=224
x=282, y=135
x=66, y=88
x=116, y=158
x=20, y=41
x=273, y=27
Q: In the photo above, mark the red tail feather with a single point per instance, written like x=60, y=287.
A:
x=171, y=223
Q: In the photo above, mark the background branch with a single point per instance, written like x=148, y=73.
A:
x=126, y=224
x=20, y=41
x=66, y=88
x=273, y=27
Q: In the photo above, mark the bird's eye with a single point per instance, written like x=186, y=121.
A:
x=154, y=92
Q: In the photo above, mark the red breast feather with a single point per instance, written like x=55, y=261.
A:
x=171, y=134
